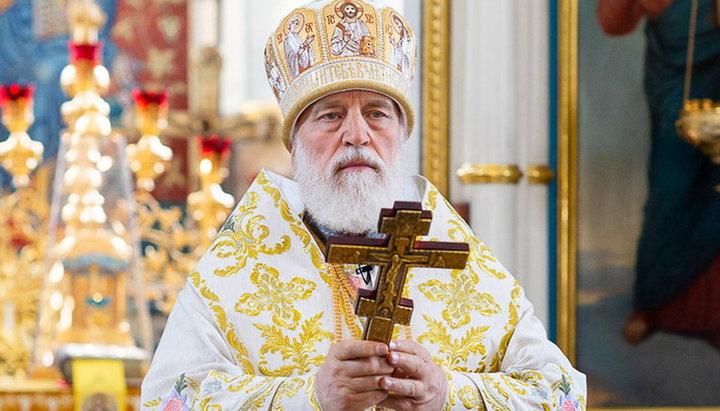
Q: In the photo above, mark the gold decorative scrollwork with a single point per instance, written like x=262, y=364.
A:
x=23, y=223
x=436, y=68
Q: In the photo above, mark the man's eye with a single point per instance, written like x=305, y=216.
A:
x=329, y=116
x=377, y=114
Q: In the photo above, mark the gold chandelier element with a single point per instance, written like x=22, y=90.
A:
x=699, y=121
x=699, y=124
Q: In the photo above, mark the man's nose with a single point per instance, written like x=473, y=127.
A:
x=355, y=130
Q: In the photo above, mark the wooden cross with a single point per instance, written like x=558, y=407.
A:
x=384, y=306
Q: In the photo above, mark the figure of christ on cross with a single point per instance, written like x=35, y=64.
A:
x=395, y=255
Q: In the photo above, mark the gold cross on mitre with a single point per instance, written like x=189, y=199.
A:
x=394, y=255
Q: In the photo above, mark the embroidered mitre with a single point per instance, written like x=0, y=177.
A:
x=326, y=47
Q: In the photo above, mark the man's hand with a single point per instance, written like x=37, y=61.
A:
x=350, y=377
x=417, y=383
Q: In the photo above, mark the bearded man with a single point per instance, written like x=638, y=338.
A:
x=265, y=323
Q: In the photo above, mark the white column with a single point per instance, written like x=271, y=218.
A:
x=482, y=126
x=233, y=46
x=499, y=105
x=203, y=21
x=532, y=116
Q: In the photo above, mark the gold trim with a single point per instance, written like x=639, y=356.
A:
x=540, y=174
x=567, y=176
x=436, y=68
x=489, y=173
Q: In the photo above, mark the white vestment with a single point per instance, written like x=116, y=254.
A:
x=262, y=309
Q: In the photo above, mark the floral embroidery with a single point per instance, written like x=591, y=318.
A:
x=259, y=394
x=296, y=225
x=176, y=401
x=432, y=197
x=460, y=296
x=274, y=296
x=470, y=398
x=496, y=396
x=212, y=388
x=286, y=389
x=213, y=302
x=479, y=253
x=243, y=237
x=299, y=354
x=513, y=320
x=456, y=350
x=311, y=393
x=566, y=403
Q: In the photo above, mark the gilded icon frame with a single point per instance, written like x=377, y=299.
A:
x=435, y=92
x=567, y=13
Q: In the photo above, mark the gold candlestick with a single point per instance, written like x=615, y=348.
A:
x=19, y=155
x=94, y=244
x=210, y=205
x=85, y=18
x=149, y=157
x=23, y=215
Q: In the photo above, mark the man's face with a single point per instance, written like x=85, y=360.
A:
x=350, y=10
x=347, y=157
x=340, y=121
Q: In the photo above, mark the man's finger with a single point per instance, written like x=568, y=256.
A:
x=367, y=366
x=411, y=364
x=366, y=384
x=402, y=387
x=353, y=349
x=410, y=347
x=399, y=373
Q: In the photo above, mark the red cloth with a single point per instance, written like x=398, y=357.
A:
x=696, y=309
x=154, y=36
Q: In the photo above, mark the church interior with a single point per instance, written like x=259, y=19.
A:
x=131, y=129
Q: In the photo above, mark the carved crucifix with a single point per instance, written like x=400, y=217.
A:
x=384, y=306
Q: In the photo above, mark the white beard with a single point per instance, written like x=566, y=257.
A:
x=347, y=202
